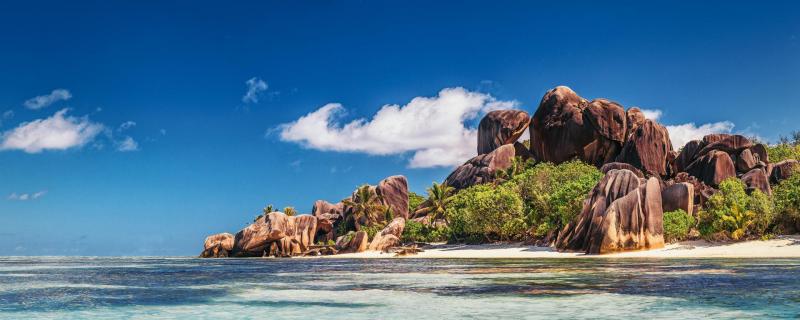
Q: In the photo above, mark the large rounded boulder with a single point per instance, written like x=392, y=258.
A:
x=501, y=127
x=623, y=212
x=254, y=239
x=388, y=237
x=394, y=192
x=482, y=168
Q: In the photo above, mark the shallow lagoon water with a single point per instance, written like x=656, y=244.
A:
x=187, y=288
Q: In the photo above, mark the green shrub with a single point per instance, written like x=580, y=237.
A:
x=677, y=225
x=419, y=232
x=414, y=200
x=787, y=200
x=783, y=151
x=486, y=212
x=372, y=230
x=735, y=213
x=554, y=194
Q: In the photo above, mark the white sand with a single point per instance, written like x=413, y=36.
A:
x=781, y=247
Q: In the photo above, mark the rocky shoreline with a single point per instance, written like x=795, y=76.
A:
x=643, y=178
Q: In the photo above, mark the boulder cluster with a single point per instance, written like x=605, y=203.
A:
x=277, y=235
x=644, y=177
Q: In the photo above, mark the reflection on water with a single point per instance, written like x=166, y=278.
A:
x=83, y=288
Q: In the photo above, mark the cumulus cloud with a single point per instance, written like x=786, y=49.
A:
x=433, y=128
x=652, y=114
x=42, y=101
x=58, y=132
x=127, y=145
x=26, y=196
x=683, y=133
x=255, y=87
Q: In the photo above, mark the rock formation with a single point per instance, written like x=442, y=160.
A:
x=783, y=170
x=275, y=234
x=566, y=126
x=679, y=196
x=482, y=168
x=328, y=215
x=623, y=212
x=501, y=127
x=394, y=194
x=352, y=243
x=389, y=236
x=217, y=246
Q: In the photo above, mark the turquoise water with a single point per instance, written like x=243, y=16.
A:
x=184, y=288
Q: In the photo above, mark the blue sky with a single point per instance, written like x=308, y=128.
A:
x=132, y=128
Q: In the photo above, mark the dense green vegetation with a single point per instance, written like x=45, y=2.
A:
x=553, y=194
x=787, y=203
x=734, y=214
x=529, y=201
x=414, y=200
x=420, y=232
x=485, y=213
x=677, y=225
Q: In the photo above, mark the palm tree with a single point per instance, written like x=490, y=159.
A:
x=365, y=204
x=439, y=196
x=267, y=210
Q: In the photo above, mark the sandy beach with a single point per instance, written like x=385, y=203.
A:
x=780, y=247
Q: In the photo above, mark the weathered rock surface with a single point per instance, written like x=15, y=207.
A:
x=679, y=196
x=622, y=213
x=254, y=239
x=217, y=246
x=783, y=170
x=389, y=236
x=566, y=126
x=501, y=127
x=358, y=242
x=276, y=234
x=482, y=168
x=756, y=179
x=328, y=215
x=712, y=168
x=394, y=192
x=620, y=165
x=648, y=148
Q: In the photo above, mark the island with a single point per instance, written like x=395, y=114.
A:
x=593, y=180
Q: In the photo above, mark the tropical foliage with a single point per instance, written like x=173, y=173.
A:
x=290, y=211
x=734, y=213
x=787, y=201
x=420, y=232
x=365, y=205
x=554, y=194
x=677, y=225
x=439, y=196
x=486, y=212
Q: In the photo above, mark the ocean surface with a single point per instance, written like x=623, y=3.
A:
x=187, y=288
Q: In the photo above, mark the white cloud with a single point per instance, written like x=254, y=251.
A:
x=126, y=125
x=683, y=133
x=58, y=132
x=254, y=88
x=127, y=145
x=652, y=114
x=42, y=101
x=433, y=128
x=26, y=196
